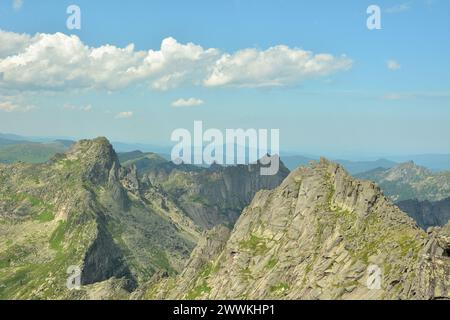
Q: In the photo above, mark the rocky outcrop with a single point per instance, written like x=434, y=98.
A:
x=433, y=281
x=321, y=235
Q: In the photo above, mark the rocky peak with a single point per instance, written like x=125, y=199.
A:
x=315, y=237
x=96, y=158
x=95, y=149
x=408, y=170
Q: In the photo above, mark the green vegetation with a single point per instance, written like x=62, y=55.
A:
x=255, y=244
x=198, y=291
x=46, y=216
x=57, y=236
x=272, y=263
x=209, y=269
x=280, y=288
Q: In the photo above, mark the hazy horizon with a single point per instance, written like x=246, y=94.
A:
x=322, y=77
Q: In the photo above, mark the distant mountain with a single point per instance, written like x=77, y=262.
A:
x=7, y=142
x=9, y=139
x=12, y=137
x=427, y=214
x=123, y=147
x=15, y=148
x=65, y=143
x=409, y=181
x=435, y=162
x=31, y=152
x=144, y=161
x=353, y=167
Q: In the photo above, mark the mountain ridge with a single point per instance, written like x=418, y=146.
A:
x=82, y=208
x=409, y=181
x=314, y=237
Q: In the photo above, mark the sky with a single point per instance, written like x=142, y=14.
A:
x=135, y=72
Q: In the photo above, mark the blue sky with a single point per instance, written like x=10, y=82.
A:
x=383, y=92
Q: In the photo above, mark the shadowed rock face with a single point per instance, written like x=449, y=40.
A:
x=105, y=260
x=208, y=196
x=427, y=214
x=315, y=237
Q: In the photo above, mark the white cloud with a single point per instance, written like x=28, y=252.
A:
x=12, y=43
x=399, y=8
x=393, y=65
x=124, y=115
x=191, y=102
x=11, y=106
x=17, y=4
x=62, y=62
x=276, y=66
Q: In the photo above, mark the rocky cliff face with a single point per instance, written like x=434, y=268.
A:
x=319, y=235
x=84, y=209
x=427, y=213
x=208, y=196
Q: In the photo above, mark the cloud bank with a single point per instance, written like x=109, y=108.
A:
x=60, y=62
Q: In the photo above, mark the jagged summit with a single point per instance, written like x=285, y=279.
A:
x=97, y=149
x=95, y=159
x=315, y=237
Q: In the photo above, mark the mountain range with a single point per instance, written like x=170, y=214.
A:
x=139, y=227
x=434, y=162
x=82, y=208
